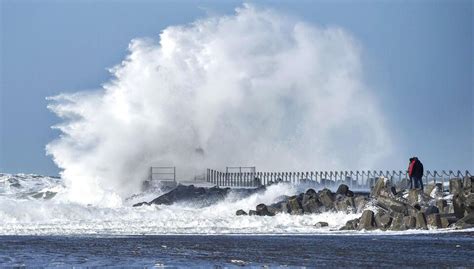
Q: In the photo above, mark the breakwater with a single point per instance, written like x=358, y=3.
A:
x=387, y=207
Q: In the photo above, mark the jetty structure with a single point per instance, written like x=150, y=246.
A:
x=385, y=200
x=385, y=203
x=250, y=177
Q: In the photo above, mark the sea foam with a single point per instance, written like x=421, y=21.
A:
x=21, y=214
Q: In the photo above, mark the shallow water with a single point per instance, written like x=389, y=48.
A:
x=368, y=250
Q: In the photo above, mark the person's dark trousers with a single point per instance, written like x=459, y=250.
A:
x=418, y=182
x=411, y=182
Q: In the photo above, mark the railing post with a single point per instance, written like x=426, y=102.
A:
x=325, y=178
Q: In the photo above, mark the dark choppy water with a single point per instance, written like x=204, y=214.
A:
x=429, y=250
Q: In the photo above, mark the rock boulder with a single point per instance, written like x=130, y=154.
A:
x=295, y=206
x=398, y=222
x=409, y=222
x=321, y=224
x=434, y=221
x=367, y=221
x=392, y=205
x=421, y=221
x=343, y=189
x=262, y=210
x=383, y=220
x=326, y=197
x=455, y=186
x=240, y=212
x=351, y=225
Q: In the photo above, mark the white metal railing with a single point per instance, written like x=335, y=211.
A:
x=354, y=179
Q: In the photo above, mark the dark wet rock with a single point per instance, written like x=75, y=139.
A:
x=262, y=210
x=444, y=222
x=434, y=221
x=438, y=193
x=393, y=191
x=311, y=193
x=345, y=204
x=450, y=208
x=274, y=210
x=465, y=222
x=311, y=205
x=415, y=196
x=285, y=208
x=342, y=189
x=350, y=225
x=395, y=212
x=398, y=222
x=310, y=202
x=413, y=211
x=469, y=203
x=434, y=190
x=351, y=208
x=428, y=188
x=360, y=202
x=321, y=224
x=392, y=205
x=431, y=210
x=140, y=204
x=383, y=220
x=458, y=205
x=326, y=197
x=281, y=207
x=189, y=193
x=379, y=187
x=367, y=221
x=455, y=186
x=409, y=222
x=295, y=206
x=240, y=212
x=442, y=206
x=468, y=185
x=450, y=217
x=199, y=196
x=421, y=221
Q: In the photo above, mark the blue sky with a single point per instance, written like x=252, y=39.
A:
x=417, y=55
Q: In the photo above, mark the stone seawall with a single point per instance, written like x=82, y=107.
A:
x=394, y=207
x=386, y=207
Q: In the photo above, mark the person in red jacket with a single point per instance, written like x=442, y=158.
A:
x=415, y=171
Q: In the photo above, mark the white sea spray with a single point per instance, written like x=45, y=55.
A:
x=254, y=88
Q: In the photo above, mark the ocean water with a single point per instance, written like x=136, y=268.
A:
x=23, y=214
x=40, y=226
x=232, y=251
